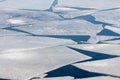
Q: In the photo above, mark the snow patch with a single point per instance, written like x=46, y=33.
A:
x=17, y=22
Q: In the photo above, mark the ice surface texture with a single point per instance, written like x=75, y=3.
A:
x=59, y=39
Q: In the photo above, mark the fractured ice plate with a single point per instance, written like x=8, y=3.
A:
x=63, y=27
x=26, y=15
x=21, y=43
x=35, y=62
x=71, y=12
x=4, y=32
x=108, y=66
x=26, y=4
x=112, y=49
x=101, y=39
x=101, y=4
x=105, y=58
x=114, y=29
x=117, y=41
x=111, y=16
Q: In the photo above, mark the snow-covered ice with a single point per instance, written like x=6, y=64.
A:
x=101, y=4
x=111, y=16
x=59, y=39
x=27, y=63
x=26, y=4
x=66, y=27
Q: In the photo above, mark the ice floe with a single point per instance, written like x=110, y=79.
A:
x=59, y=40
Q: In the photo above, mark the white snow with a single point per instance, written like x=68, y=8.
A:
x=17, y=22
x=101, y=4
x=26, y=4
x=109, y=66
x=24, y=64
x=102, y=48
x=71, y=12
x=62, y=39
x=111, y=16
x=66, y=27
x=114, y=29
x=15, y=43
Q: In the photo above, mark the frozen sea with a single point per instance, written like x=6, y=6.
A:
x=59, y=39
